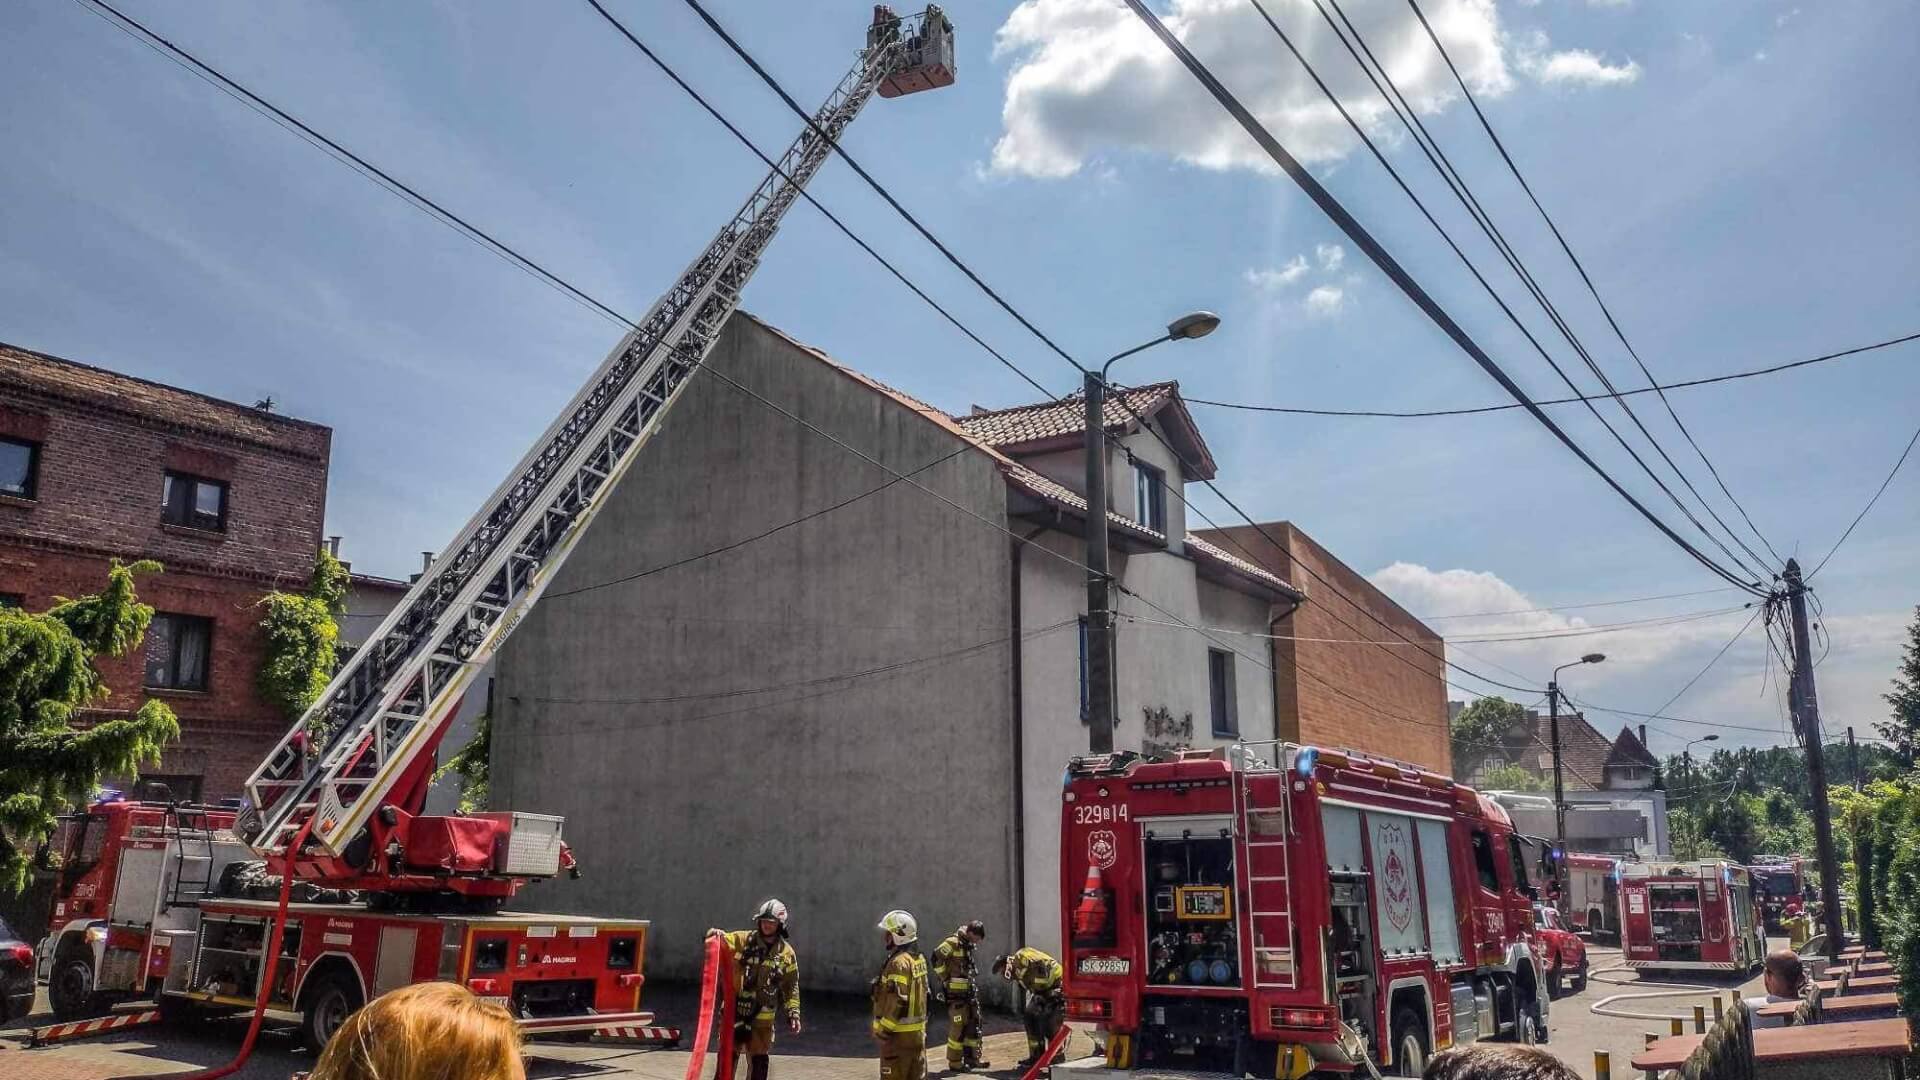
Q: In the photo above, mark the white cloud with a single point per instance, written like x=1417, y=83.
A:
x=1578, y=67
x=1330, y=256
x=1326, y=300
x=1609, y=3
x=1785, y=17
x=1761, y=56
x=1089, y=79
x=1269, y=278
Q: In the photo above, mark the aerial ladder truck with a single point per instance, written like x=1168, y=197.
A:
x=177, y=905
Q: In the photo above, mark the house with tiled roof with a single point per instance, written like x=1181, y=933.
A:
x=1615, y=802
x=818, y=607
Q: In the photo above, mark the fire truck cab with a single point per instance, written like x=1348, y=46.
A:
x=1225, y=910
x=1781, y=888
x=1698, y=916
x=162, y=902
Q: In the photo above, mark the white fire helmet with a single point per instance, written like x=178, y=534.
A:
x=900, y=928
x=772, y=909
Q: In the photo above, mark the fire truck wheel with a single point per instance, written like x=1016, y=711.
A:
x=1409, y=1043
x=1532, y=1027
x=70, y=990
x=326, y=1003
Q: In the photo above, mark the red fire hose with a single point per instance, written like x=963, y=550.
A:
x=716, y=998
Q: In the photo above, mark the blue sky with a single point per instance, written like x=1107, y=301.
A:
x=1736, y=175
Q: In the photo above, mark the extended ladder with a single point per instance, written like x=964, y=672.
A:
x=386, y=706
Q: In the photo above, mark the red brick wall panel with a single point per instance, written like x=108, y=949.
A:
x=1388, y=699
x=102, y=455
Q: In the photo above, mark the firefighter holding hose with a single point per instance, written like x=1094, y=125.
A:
x=766, y=985
x=900, y=1001
x=957, y=978
x=1046, y=1009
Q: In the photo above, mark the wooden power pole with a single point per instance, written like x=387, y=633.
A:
x=1806, y=717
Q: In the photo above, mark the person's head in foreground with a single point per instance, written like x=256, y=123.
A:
x=1494, y=1061
x=428, y=1031
x=1785, y=977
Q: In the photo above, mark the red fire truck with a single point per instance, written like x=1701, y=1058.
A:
x=154, y=901
x=1593, y=893
x=1690, y=916
x=1278, y=915
x=1780, y=885
x=354, y=889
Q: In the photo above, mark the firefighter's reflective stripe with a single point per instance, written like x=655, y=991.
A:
x=900, y=995
x=895, y=1027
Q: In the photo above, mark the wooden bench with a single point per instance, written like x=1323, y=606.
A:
x=1869, y=984
x=1869, y=970
x=1875, y=1049
x=1840, y=1009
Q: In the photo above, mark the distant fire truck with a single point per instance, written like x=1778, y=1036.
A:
x=1273, y=917
x=1690, y=916
x=329, y=885
x=1780, y=885
x=1592, y=900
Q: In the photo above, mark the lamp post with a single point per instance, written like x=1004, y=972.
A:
x=1198, y=324
x=1553, y=722
x=1693, y=786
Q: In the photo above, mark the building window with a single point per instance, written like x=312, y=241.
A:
x=19, y=468
x=1220, y=696
x=177, y=649
x=178, y=787
x=1085, y=704
x=194, y=501
x=1150, y=497
x=12, y=600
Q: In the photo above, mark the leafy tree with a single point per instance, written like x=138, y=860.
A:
x=47, y=766
x=471, y=764
x=1509, y=777
x=301, y=637
x=1902, y=729
x=1483, y=731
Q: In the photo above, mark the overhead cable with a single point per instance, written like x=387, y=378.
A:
x=1391, y=267
x=1876, y=498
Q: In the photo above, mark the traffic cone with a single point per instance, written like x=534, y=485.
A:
x=1093, y=916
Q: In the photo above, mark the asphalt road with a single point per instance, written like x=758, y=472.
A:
x=834, y=1046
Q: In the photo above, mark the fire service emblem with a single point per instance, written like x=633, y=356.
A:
x=1396, y=875
x=1102, y=848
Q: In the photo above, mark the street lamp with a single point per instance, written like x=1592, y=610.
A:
x=1553, y=721
x=1187, y=327
x=1693, y=785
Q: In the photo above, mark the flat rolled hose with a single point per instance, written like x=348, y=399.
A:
x=716, y=999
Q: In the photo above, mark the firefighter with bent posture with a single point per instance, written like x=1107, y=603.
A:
x=766, y=985
x=956, y=978
x=1046, y=1009
x=900, y=1001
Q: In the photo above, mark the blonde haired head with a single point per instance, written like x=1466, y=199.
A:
x=428, y=1031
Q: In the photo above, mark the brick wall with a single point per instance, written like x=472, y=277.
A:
x=98, y=497
x=1388, y=699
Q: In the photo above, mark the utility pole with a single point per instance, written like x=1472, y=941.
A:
x=1853, y=753
x=1559, y=788
x=1806, y=715
x=1099, y=595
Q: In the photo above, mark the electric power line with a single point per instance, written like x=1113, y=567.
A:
x=1876, y=498
x=1593, y=290
x=1494, y=236
x=1478, y=409
x=1575, y=607
x=1738, y=634
x=1391, y=267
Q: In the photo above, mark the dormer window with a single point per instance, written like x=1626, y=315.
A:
x=1150, y=497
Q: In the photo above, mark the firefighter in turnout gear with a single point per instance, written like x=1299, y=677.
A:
x=900, y=1001
x=766, y=985
x=1046, y=1009
x=956, y=978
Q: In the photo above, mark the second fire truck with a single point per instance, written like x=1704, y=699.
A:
x=1281, y=909
x=1690, y=916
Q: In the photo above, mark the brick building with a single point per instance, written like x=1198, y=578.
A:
x=94, y=466
x=1389, y=699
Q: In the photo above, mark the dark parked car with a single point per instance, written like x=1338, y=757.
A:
x=16, y=975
